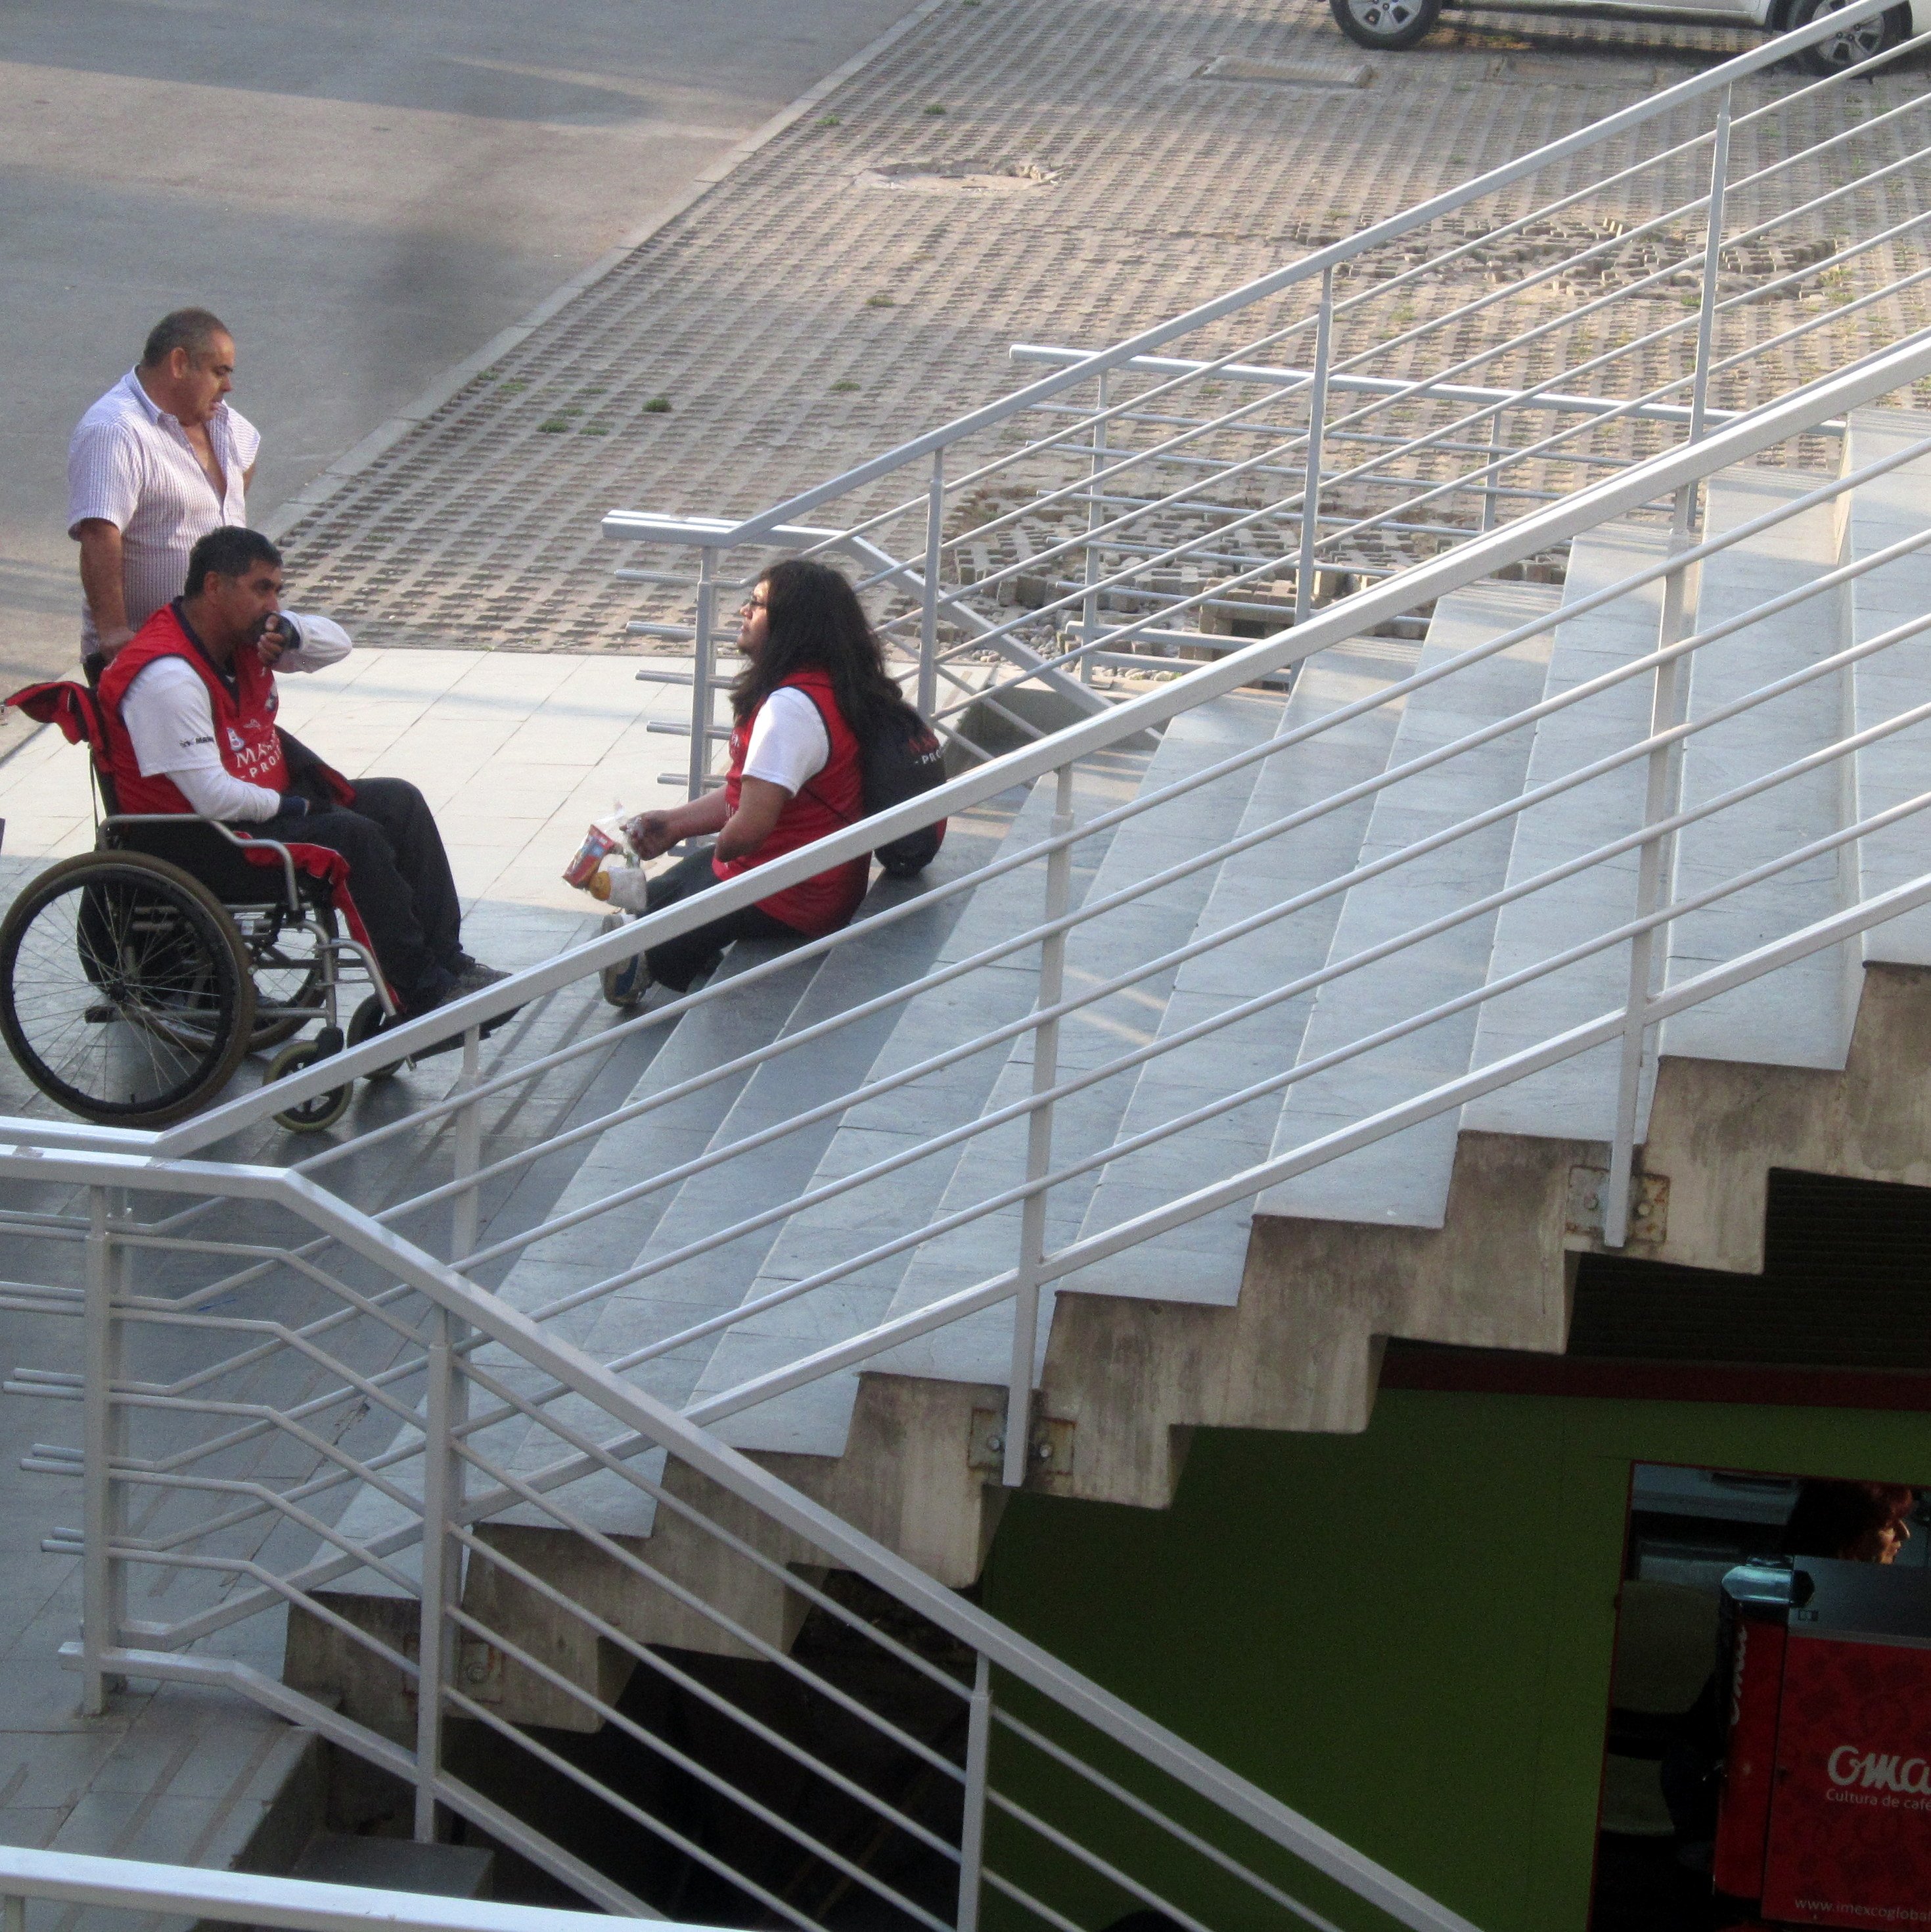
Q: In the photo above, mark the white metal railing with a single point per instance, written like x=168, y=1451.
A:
x=1144, y=520
x=253, y=1898
x=214, y=1458
x=1670, y=477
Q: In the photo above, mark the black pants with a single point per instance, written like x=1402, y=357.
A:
x=398, y=873
x=678, y=962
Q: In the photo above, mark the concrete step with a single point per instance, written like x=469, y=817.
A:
x=1203, y=1261
x=1577, y=1100
x=1898, y=678
x=1801, y=1016
x=1402, y=1181
x=979, y=1350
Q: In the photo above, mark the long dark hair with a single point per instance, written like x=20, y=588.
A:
x=816, y=623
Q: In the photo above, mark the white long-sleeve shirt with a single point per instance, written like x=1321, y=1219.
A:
x=171, y=724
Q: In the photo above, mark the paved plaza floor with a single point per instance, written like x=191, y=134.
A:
x=367, y=194
x=805, y=314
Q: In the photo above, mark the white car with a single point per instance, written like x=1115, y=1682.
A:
x=1390, y=24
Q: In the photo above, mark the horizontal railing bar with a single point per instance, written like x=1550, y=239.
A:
x=1381, y=386
x=653, y=1657
x=628, y=1808
x=252, y=1898
x=1144, y=1895
x=231, y=1674
x=1059, y=1753
x=609, y=1714
x=535, y=1489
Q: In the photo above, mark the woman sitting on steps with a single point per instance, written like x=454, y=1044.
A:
x=814, y=683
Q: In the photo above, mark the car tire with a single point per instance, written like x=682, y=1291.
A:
x=1385, y=25
x=1862, y=42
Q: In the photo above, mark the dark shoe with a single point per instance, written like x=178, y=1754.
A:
x=624, y=984
x=472, y=975
x=443, y=990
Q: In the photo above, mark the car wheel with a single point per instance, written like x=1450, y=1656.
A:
x=1854, y=45
x=1386, y=25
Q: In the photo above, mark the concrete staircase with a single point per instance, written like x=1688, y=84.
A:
x=1458, y=1230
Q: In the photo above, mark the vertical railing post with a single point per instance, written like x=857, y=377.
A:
x=440, y=1579
x=1317, y=423
x=102, y=1580
x=1664, y=768
x=703, y=670
x=1492, y=488
x=16, y=1919
x=1039, y=1148
x=444, y=1407
x=928, y=617
x=466, y=1211
x=1095, y=517
x=1713, y=251
x=972, y=1828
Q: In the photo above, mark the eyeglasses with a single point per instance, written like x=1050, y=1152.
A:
x=751, y=604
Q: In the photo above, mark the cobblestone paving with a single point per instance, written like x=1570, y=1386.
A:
x=812, y=309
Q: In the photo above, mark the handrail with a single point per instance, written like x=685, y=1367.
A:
x=1387, y=386
x=1646, y=482
x=291, y=1904
x=735, y=1473
x=1310, y=267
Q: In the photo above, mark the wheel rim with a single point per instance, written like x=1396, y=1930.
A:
x=120, y=998
x=1854, y=45
x=1385, y=18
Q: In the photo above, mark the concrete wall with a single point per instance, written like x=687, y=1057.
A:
x=1406, y=1634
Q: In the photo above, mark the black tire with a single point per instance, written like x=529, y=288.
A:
x=1852, y=48
x=1385, y=25
x=124, y=990
x=320, y=1110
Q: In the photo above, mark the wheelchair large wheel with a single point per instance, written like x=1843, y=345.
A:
x=124, y=990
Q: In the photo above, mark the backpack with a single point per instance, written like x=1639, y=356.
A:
x=899, y=758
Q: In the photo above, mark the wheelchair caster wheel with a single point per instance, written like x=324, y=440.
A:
x=625, y=985
x=320, y=1110
x=364, y=1023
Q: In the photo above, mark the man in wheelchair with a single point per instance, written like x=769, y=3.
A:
x=190, y=704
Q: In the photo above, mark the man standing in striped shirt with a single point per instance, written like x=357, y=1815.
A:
x=158, y=462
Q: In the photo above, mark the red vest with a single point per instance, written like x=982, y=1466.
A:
x=830, y=801
x=244, y=719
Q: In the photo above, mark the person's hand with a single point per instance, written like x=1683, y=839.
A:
x=277, y=640
x=650, y=834
x=111, y=641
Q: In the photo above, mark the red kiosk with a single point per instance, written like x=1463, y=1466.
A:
x=1826, y=1808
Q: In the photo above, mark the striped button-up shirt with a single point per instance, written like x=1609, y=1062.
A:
x=130, y=464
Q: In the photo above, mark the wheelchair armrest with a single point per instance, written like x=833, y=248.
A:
x=241, y=844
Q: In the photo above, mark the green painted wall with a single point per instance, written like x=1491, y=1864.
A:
x=1404, y=1634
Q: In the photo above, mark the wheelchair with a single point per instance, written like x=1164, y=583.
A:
x=135, y=979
